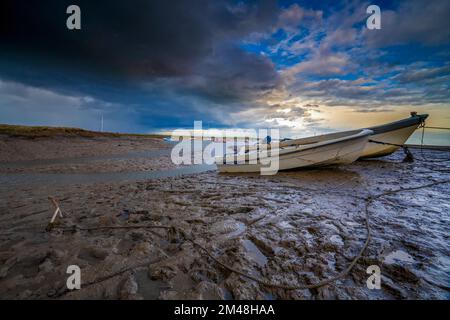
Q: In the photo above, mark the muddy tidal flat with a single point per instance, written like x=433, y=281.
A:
x=294, y=228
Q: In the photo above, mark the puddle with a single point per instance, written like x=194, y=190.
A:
x=163, y=243
x=337, y=240
x=444, y=261
x=306, y=235
x=398, y=256
x=228, y=228
x=124, y=215
x=285, y=225
x=240, y=229
x=254, y=253
x=148, y=288
x=227, y=295
x=269, y=296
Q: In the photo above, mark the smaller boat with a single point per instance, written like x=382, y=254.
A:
x=328, y=149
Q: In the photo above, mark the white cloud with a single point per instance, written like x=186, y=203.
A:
x=290, y=18
x=321, y=63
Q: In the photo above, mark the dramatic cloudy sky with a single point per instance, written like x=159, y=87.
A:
x=155, y=65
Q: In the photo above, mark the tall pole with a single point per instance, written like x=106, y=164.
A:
x=101, y=128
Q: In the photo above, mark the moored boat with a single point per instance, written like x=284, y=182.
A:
x=328, y=149
x=386, y=138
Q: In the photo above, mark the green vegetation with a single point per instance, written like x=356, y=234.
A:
x=46, y=132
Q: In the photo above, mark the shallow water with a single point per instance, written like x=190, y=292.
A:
x=15, y=180
x=148, y=288
x=398, y=256
x=254, y=253
x=84, y=160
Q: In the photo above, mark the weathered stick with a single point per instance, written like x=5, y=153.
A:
x=57, y=210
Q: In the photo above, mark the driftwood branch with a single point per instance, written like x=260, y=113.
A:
x=57, y=211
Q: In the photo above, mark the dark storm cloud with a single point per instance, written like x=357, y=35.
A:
x=231, y=74
x=135, y=41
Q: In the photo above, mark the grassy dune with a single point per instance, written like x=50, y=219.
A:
x=47, y=132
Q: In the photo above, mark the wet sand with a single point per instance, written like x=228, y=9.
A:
x=298, y=227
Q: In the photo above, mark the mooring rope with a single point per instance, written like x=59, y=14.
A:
x=421, y=146
x=408, y=155
x=439, y=128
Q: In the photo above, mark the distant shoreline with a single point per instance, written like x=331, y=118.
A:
x=32, y=132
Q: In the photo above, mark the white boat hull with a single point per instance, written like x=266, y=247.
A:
x=391, y=135
x=339, y=151
x=399, y=137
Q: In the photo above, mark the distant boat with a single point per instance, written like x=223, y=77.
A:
x=327, y=149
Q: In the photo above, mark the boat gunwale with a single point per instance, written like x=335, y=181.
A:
x=400, y=124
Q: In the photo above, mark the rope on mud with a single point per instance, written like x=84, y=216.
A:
x=368, y=201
